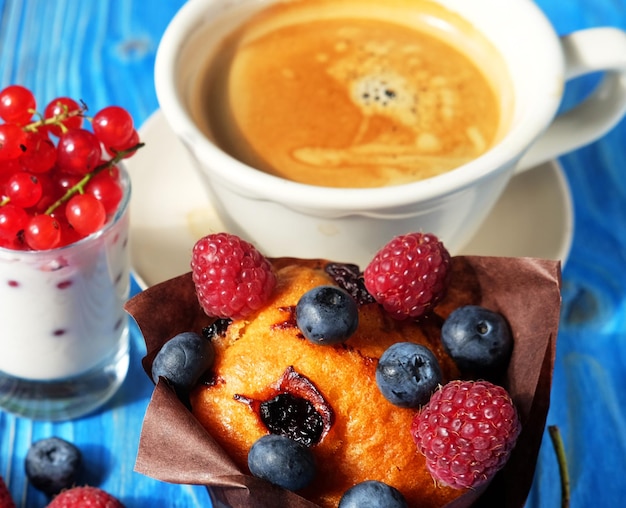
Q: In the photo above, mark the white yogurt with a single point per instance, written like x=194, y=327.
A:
x=61, y=311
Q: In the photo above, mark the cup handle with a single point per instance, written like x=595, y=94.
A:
x=586, y=51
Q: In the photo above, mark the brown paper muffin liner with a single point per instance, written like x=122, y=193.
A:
x=175, y=448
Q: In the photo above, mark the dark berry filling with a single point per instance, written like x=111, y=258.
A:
x=217, y=327
x=293, y=407
x=293, y=417
x=350, y=278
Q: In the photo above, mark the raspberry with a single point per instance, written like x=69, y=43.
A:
x=81, y=497
x=232, y=279
x=6, y=501
x=466, y=432
x=409, y=275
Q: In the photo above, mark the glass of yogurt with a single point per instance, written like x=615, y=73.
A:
x=64, y=344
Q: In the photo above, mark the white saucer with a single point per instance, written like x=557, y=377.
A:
x=170, y=211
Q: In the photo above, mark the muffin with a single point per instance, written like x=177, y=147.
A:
x=363, y=436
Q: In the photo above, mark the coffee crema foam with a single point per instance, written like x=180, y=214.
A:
x=349, y=94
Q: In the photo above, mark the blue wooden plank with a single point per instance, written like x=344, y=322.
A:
x=587, y=399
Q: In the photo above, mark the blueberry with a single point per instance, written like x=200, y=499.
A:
x=52, y=464
x=407, y=374
x=183, y=359
x=281, y=461
x=372, y=494
x=327, y=315
x=478, y=339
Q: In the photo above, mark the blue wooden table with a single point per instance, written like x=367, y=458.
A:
x=103, y=52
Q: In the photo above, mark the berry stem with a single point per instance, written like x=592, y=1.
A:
x=559, y=448
x=56, y=119
x=80, y=185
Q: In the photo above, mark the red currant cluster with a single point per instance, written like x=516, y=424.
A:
x=58, y=181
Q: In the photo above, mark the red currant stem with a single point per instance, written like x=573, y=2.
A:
x=559, y=448
x=79, y=187
x=56, y=119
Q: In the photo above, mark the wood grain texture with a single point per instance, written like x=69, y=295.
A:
x=103, y=52
x=588, y=400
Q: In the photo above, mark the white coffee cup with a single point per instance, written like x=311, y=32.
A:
x=285, y=218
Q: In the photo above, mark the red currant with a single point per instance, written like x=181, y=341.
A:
x=62, y=107
x=78, y=152
x=132, y=141
x=23, y=189
x=68, y=234
x=17, y=104
x=64, y=181
x=8, y=167
x=85, y=213
x=12, y=220
x=40, y=154
x=105, y=187
x=42, y=232
x=56, y=191
x=12, y=141
x=113, y=126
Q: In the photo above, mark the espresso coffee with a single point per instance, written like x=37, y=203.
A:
x=354, y=93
